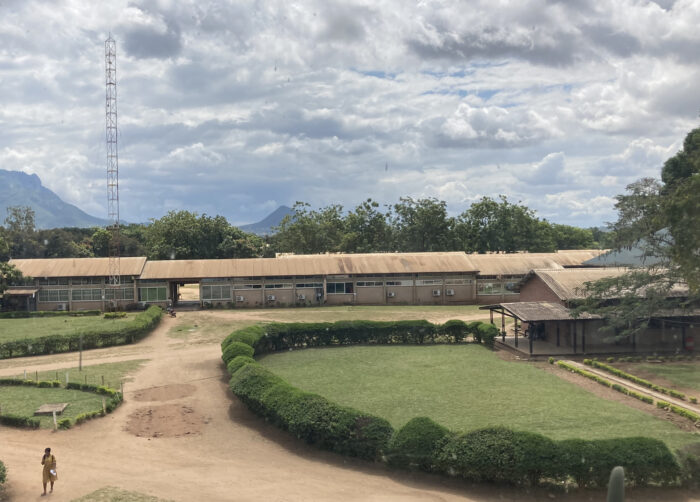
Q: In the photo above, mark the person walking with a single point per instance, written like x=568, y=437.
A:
x=49, y=463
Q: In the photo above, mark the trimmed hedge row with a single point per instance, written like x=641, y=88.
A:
x=23, y=314
x=678, y=410
x=494, y=454
x=310, y=417
x=635, y=379
x=115, y=399
x=3, y=473
x=130, y=332
x=607, y=383
x=282, y=336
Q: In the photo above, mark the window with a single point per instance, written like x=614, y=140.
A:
x=86, y=280
x=282, y=285
x=337, y=288
x=408, y=282
x=429, y=282
x=153, y=294
x=53, y=295
x=216, y=292
x=489, y=287
x=369, y=284
x=457, y=281
x=247, y=286
x=309, y=285
x=119, y=293
x=86, y=295
x=53, y=281
x=511, y=287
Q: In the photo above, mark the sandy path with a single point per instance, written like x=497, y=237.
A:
x=215, y=451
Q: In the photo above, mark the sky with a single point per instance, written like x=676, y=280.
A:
x=234, y=108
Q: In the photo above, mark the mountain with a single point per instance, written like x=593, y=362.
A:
x=264, y=227
x=21, y=189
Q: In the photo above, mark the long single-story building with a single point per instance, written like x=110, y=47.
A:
x=448, y=278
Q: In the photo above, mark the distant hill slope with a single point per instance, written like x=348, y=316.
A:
x=21, y=189
x=264, y=227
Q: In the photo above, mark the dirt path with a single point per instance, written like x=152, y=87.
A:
x=181, y=435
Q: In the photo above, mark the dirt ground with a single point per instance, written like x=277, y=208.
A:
x=181, y=435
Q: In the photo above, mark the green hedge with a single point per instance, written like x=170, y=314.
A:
x=130, y=332
x=635, y=379
x=494, y=454
x=115, y=398
x=235, y=349
x=282, y=336
x=23, y=314
x=3, y=473
x=310, y=417
x=678, y=410
x=413, y=446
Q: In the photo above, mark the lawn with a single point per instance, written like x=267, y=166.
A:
x=23, y=401
x=113, y=373
x=463, y=387
x=685, y=375
x=34, y=327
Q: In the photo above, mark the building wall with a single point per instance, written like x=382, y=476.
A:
x=536, y=290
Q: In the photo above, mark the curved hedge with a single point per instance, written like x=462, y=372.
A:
x=130, y=332
x=115, y=399
x=494, y=454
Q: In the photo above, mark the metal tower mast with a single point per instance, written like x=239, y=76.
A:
x=112, y=160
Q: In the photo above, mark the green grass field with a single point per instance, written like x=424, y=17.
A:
x=34, y=327
x=23, y=401
x=464, y=387
x=111, y=494
x=113, y=373
x=685, y=375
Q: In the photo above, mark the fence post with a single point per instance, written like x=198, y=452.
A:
x=104, y=406
x=55, y=424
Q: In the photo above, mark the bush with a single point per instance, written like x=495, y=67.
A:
x=250, y=335
x=17, y=421
x=414, y=445
x=635, y=379
x=238, y=362
x=488, y=333
x=23, y=314
x=130, y=332
x=114, y=315
x=455, y=329
x=310, y=417
x=3, y=473
x=235, y=349
x=499, y=455
x=551, y=360
x=473, y=329
x=65, y=423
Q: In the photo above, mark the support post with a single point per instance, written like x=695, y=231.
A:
x=491, y=315
x=503, y=324
x=516, y=339
x=574, y=337
x=531, y=338
x=558, y=333
x=583, y=337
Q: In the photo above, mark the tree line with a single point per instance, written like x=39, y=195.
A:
x=410, y=225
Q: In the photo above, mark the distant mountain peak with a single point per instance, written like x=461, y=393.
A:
x=21, y=189
x=265, y=226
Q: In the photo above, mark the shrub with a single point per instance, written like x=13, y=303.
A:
x=65, y=423
x=635, y=379
x=238, y=362
x=551, y=360
x=488, y=333
x=473, y=329
x=235, y=349
x=3, y=473
x=611, y=359
x=114, y=315
x=250, y=335
x=17, y=421
x=455, y=329
x=414, y=445
x=499, y=455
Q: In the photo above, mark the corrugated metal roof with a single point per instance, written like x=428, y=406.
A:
x=539, y=311
x=300, y=265
x=77, y=267
x=522, y=263
x=20, y=291
x=569, y=284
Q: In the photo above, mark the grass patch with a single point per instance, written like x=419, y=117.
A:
x=113, y=373
x=685, y=375
x=112, y=494
x=23, y=401
x=35, y=327
x=464, y=387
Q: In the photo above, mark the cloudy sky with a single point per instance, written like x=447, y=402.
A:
x=237, y=107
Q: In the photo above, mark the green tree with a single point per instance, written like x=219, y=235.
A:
x=9, y=276
x=500, y=226
x=100, y=242
x=422, y=225
x=662, y=220
x=366, y=230
x=20, y=229
x=309, y=231
x=568, y=237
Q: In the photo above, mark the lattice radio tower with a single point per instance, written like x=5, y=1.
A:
x=112, y=160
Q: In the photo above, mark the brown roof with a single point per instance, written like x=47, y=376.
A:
x=539, y=311
x=570, y=284
x=299, y=265
x=20, y=291
x=522, y=263
x=77, y=267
